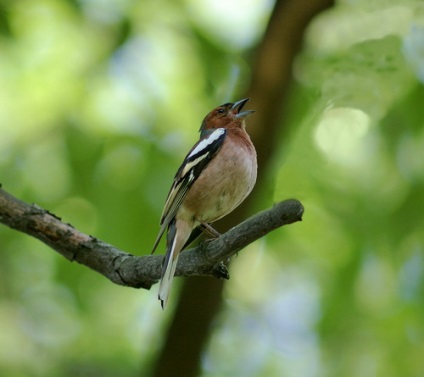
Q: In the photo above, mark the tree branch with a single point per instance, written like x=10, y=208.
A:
x=141, y=271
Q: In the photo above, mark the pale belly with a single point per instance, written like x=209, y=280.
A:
x=224, y=187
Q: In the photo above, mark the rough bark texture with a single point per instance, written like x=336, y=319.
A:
x=140, y=271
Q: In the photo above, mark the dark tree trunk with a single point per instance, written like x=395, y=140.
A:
x=201, y=298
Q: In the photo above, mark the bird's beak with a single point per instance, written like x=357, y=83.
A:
x=237, y=108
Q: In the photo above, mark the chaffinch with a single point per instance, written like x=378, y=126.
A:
x=215, y=177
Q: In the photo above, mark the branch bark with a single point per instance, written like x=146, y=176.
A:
x=141, y=271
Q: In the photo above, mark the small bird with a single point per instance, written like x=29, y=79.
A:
x=215, y=177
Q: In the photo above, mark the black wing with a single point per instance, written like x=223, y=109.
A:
x=195, y=162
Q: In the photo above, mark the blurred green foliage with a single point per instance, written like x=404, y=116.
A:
x=99, y=101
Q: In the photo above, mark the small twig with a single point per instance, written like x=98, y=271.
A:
x=141, y=271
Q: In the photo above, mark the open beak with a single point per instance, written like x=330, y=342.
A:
x=236, y=108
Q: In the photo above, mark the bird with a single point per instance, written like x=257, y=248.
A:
x=217, y=174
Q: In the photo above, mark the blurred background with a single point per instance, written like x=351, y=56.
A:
x=99, y=102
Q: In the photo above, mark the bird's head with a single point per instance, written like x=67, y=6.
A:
x=227, y=115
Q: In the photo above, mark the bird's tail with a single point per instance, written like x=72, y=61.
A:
x=178, y=234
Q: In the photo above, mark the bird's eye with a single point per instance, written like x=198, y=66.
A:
x=221, y=111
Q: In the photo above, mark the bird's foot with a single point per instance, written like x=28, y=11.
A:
x=207, y=229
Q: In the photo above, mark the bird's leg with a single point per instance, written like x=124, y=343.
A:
x=207, y=229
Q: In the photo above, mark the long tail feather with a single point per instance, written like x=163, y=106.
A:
x=166, y=282
x=176, y=238
x=169, y=265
